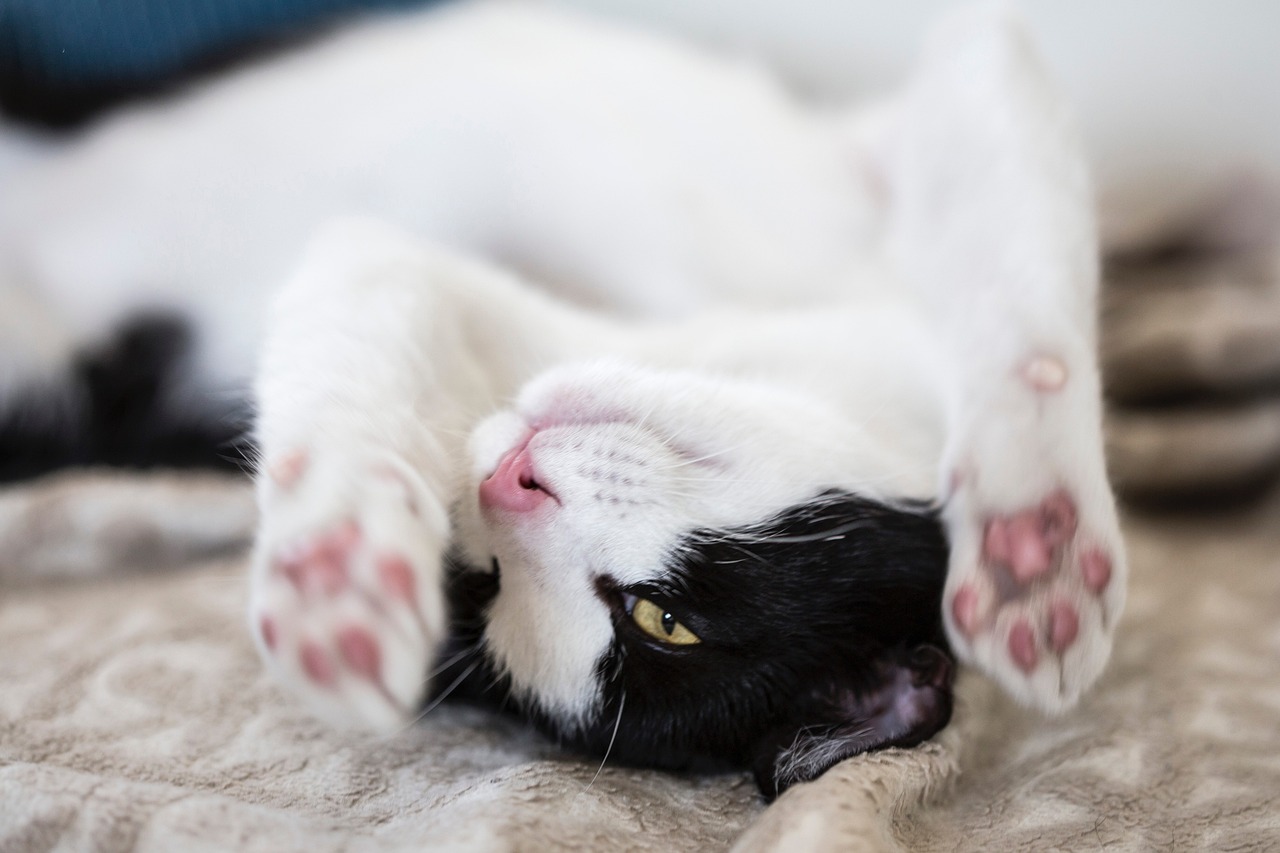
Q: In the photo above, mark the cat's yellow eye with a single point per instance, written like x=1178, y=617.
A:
x=661, y=625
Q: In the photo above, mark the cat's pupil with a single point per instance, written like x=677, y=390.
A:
x=668, y=623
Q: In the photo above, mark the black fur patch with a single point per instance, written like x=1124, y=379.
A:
x=114, y=410
x=817, y=630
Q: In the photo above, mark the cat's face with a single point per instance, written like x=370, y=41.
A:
x=697, y=570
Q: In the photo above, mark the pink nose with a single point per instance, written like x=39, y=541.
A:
x=512, y=486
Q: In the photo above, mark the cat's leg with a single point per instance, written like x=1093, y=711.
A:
x=380, y=356
x=991, y=219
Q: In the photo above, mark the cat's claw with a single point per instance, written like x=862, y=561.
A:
x=344, y=607
x=1030, y=598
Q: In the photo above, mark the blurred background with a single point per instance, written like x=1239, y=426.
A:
x=1178, y=102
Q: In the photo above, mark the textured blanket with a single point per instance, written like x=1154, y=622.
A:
x=134, y=714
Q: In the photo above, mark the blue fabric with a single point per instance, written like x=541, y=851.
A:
x=78, y=42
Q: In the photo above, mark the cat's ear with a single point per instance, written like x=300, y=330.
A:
x=984, y=180
x=905, y=700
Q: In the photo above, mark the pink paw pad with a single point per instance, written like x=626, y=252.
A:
x=1095, y=568
x=1026, y=543
x=1064, y=625
x=267, y=628
x=359, y=651
x=1022, y=645
x=396, y=576
x=965, y=608
x=317, y=664
x=321, y=566
x=287, y=469
x=1045, y=373
x=1035, y=580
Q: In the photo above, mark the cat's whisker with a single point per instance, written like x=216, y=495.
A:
x=617, y=723
x=435, y=703
x=816, y=536
x=471, y=650
x=686, y=461
x=241, y=452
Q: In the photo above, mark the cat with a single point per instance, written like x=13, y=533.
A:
x=803, y=407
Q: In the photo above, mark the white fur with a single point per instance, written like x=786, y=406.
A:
x=656, y=183
x=937, y=247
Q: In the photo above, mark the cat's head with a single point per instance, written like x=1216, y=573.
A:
x=697, y=571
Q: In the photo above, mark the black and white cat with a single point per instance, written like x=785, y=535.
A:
x=816, y=393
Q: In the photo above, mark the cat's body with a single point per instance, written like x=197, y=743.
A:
x=648, y=187
x=715, y=536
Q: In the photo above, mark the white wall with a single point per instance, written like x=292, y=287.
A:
x=1173, y=96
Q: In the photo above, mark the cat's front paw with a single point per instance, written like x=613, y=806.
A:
x=1033, y=595
x=346, y=603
